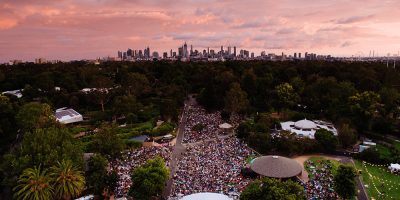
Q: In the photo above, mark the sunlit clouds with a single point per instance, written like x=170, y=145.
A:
x=74, y=29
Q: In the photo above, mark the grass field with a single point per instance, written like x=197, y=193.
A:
x=384, y=181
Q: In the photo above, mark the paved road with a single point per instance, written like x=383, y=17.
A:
x=178, y=148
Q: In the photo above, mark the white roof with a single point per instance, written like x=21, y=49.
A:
x=206, y=196
x=305, y=124
x=67, y=116
x=307, y=128
x=225, y=126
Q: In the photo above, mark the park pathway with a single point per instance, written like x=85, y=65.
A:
x=179, y=149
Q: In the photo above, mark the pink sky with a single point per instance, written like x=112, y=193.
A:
x=87, y=29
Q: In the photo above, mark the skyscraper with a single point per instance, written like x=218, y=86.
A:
x=185, y=50
x=234, y=51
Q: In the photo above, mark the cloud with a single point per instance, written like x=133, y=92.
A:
x=7, y=23
x=354, y=19
x=347, y=44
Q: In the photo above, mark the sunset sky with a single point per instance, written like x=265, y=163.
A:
x=87, y=29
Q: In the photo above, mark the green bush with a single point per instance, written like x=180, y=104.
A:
x=133, y=144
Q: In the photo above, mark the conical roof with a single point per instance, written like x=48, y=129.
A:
x=305, y=124
x=276, y=167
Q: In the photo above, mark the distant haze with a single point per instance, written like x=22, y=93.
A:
x=80, y=29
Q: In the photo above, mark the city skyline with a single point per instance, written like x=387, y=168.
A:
x=71, y=29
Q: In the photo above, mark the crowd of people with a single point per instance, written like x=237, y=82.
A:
x=207, y=124
x=132, y=159
x=212, y=166
x=320, y=185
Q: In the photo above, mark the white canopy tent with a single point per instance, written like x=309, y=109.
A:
x=225, y=126
x=206, y=196
x=394, y=167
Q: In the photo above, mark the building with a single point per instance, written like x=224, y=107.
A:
x=276, y=167
x=17, y=93
x=307, y=128
x=67, y=116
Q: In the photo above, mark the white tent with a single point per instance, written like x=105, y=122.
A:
x=206, y=196
x=394, y=167
x=225, y=126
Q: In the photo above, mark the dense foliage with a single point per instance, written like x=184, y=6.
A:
x=361, y=98
x=149, y=180
x=273, y=189
x=344, y=181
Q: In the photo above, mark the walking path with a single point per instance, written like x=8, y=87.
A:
x=178, y=148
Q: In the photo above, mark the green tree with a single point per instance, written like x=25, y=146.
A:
x=96, y=173
x=326, y=139
x=43, y=147
x=244, y=129
x=107, y=142
x=148, y=181
x=135, y=84
x=363, y=106
x=68, y=181
x=273, y=189
x=123, y=105
x=34, y=184
x=347, y=136
x=102, y=93
x=287, y=95
x=8, y=129
x=35, y=115
x=236, y=99
x=344, y=181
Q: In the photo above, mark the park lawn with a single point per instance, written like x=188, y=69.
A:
x=383, y=174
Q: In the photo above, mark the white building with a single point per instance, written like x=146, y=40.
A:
x=17, y=93
x=68, y=116
x=307, y=128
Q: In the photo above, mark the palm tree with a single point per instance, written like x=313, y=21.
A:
x=33, y=184
x=68, y=181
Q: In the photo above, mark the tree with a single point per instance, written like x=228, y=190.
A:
x=135, y=83
x=326, y=139
x=107, y=142
x=68, y=181
x=236, y=99
x=244, y=129
x=124, y=105
x=363, y=106
x=42, y=147
x=101, y=94
x=149, y=180
x=286, y=95
x=347, y=136
x=96, y=173
x=273, y=189
x=35, y=115
x=8, y=130
x=344, y=181
x=34, y=184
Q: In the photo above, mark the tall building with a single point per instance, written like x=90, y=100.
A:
x=171, y=53
x=129, y=53
x=120, y=54
x=165, y=55
x=180, y=51
x=234, y=51
x=185, y=50
x=252, y=54
x=191, y=49
x=229, y=50
x=295, y=55
x=299, y=55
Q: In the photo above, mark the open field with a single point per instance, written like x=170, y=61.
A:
x=378, y=180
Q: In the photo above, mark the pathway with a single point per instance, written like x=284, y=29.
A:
x=178, y=150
